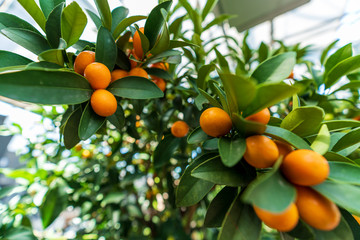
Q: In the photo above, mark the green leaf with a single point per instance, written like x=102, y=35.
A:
x=177, y=44
x=161, y=57
x=53, y=55
x=159, y=73
x=165, y=150
x=247, y=128
x=353, y=224
x=197, y=136
x=73, y=23
x=71, y=129
x=211, y=144
x=9, y=59
x=90, y=123
x=344, y=195
x=176, y=26
x=268, y=94
x=213, y=170
x=211, y=100
x=344, y=172
x=55, y=202
x=263, y=52
x=11, y=21
x=45, y=87
x=30, y=40
x=154, y=22
x=224, y=65
x=341, y=232
x=135, y=88
x=95, y=18
x=118, y=14
x=216, y=212
x=349, y=139
x=4, y=191
x=240, y=91
x=336, y=125
x=35, y=12
x=215, y=88
x=340, y=55
x=106, y=50
x=286, y=136
x=304, y=121
x=270, y=191
x=42, y=66
x=18, y=233
x=218, y=21
x=353, y=85
x=163, y=42
x=341, y=69
x=241, y=223
x=82, y=44
x=125, y=23
x=47, y=6
x=275, y=69
x=203, y=75
x=321, y=143
x=118, y=118
x=191, y=190
x=53, y=26
x=326, y=51
x=302, y=231
x=332, y=156
x=105, y=13
x=231, y=150
x=209, y=6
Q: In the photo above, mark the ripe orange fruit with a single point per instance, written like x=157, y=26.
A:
x=357, y=118
x=284, y=221
x=284, y=148
x=305, y=167
x=98, y=75
x=261, y=117
x=139, y=72
x=137, y=44
x=261, y=151
x=159, y=82
x=161, y=65
x=117, y=74
x=316, y=210
x=215, y=122
x=179, y=129
x=357, y=218
x=83, y=60
x=103, y=103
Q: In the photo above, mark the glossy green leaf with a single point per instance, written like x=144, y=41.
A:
x=53, y=26
x=125, y=23
x=231, y=150
x=353, y=224
x=165, y=150
x=263, y=52
x=117, y=15
x=159, y=73
x=304, y=121
x=353, y=85
x=8, y=59
x=321, y=143
x=218, y=207
x=326, y=51
x=55, y=202
x=176, y=26
x=161, y=57
x=42, y=66
x=270, y=191
x=18, y=233
x=177, y=44
x=71, y=129
x=275, y=69
x=197, y=136
x=340, y=55
x=118, y=118
x=247, y=128
x=215, y=88
x=302, y=231
x=341, y=232
x=218, y=21
x=90, y=123
x=135, y=88
x=268, y=95
x=211, y=144
x=344, y=195
x=163, y=42
x=45, y=87
x=105, y=13
x=106, y=50
x=286, y=136
x=337, y=125
x=341, y=69
x=47, y=6
x=11, y=21
x=349, y=139
x=240, y=223
x=122, y=60
x=30, y=40
x=145, y=44
x=224, y=65
x=82, y=44
x=211, y=100
x=332, y=156
x=213, y=170
x=35, y=12
x=53, y=55
x=191, y=190
x=123, y=42
x=95, y=18
x=73, y=23
x=203, y=75
x=155, y=22
x=344, y=172
x=240, y=91
x=209, y=6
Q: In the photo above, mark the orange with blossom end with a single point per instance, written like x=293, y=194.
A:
x=137, y=44
x=215, y=122
x=98, y=75
x=261, y=151
x=159, y=82
x=138, y=72
x=83, y=60
x=179, y=129
x=118, y=74
x=103, y=103
x=261, y=117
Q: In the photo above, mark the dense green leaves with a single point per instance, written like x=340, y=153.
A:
x=351, y=138
x=47, y=6
x=73, y=22
x=344, y=172
x=105, y=13
x=340, y=55
x=117, y=15
x=165, y=150
x=124, y=24
x=106, y=51
x=35, y=12
x=342, y=68
x=231, y=150
x=286, y=136
x=53, y=26
x=8, y=59
x=159, y=73
x=45, y=87
x=22, y=233
x=90, y=123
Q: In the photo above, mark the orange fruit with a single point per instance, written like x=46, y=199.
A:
x=137, y=44
x=179, y=129
x=118, y=74
x=161, y=65
x=215, y=122
x=291, y=75
x=305, y=167
x=83, y=60
x=261, y=117
x=261, y=151
x=357, y=218
x=316, y=210
x=357, y=118
x=159, y=82
x=139, y=72
x=284, y=148
x=103, y=103
x=98, y=75
x=86, y=153
x=284, y=221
